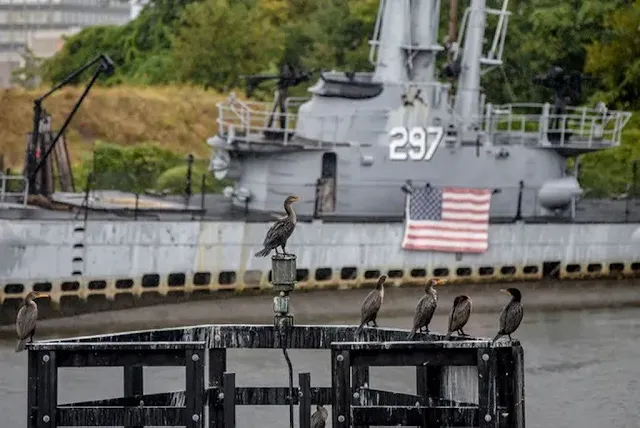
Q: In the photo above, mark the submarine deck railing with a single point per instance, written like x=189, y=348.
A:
x=494, y=371
x=519, y=123
x=8, y=192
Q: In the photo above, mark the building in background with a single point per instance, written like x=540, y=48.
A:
x=40, y=25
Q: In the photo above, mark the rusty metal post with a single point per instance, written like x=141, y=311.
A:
x=283, y=279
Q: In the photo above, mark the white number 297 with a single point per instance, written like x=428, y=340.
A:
x=420, y=148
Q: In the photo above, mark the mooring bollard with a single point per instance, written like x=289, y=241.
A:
x=283, y=279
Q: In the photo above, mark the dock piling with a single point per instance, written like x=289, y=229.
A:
x=491, y=374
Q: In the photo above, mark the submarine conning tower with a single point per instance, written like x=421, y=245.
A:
x=348, y=149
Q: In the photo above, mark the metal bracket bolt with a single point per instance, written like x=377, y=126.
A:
x=339, y=358
x=195, y=357
x=46, y=418
x=45, y=358
x=487, y=418
x=485, y=357
x=340, y=418
x=195, y=418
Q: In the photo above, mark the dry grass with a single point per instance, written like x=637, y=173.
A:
x=177, y=118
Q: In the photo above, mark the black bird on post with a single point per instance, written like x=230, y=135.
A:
x=460, y=313
x=26, y=319
x=319, y=417
x=511, y=315
x=280, y=232
x=426, y=307
x=371, y=305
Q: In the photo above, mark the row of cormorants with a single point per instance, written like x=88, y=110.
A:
x=510, y=317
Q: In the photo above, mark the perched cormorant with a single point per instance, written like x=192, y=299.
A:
x=280, y=232
x=460, y=313
x=319, y=417
x=26, y=319
x=371, y=305
x=511, y=315
x=426, y=307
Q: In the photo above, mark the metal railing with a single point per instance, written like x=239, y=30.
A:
x=13, y=189
x=521, y=123
x=578, y=127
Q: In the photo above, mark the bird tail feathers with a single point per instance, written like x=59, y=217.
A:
x=498, y=336
x=359, y=330
x=22, y=344
x=412, y=334
x=448, y=335
x=263, y=253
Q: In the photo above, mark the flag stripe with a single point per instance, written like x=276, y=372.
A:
x=447, y=220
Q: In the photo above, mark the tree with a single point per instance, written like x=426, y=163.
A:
x=28, y=75
x=219, y=40
x=615, y=57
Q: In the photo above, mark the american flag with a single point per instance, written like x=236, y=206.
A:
x=451, y=219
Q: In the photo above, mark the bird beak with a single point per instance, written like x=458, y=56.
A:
x=440, y=281
x=502, y=290
x=40, y=294
x=295, y=198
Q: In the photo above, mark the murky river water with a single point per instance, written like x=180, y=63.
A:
x=582, y=371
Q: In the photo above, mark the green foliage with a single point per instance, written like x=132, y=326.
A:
x=26, y=76
x=214, y=44
x=139, y=168
x=173, y=180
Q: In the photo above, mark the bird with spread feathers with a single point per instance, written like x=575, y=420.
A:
x=281, y=230
x=426, y=308
x=26, y=319
x=371, y=305
x=460, y=313
x=319, y=417
x=511, y=315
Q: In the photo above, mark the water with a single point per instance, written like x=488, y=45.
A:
x=581, y=371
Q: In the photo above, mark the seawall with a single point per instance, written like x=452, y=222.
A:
x=146, y=262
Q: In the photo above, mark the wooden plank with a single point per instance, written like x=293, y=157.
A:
x=117, y=346
x=115, y=358
x=359, y=381
x=487, y=377
x=194, y=388
x=229, y=386
x=133, y=384
x=47, y=389
x=217, y=367
x=415, y=416
x=304, y=407
x=518, y=379
x=340, y=382
x=32, y=389
x=120, y=416
x=245, y=396
x=415, y=345
x=261, y=336
x=414, y=357
x=63, y=165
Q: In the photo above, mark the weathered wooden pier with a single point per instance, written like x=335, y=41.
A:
x=444, y=369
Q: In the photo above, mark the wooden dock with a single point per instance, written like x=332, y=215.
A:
x=210, y=397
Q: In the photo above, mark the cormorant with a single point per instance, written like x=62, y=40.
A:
x=26, y=319
x=426, y=307
x=280, y=232
x=460, y=313
x=319, y=417
x=511, y=315
x=371, y=305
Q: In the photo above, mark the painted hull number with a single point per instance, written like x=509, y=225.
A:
x=417, y=144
